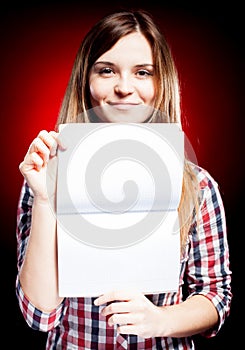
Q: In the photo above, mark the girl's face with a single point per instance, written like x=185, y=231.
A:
x=122, y=81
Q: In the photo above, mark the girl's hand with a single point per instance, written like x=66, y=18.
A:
x=132, y=312
x=34, y=167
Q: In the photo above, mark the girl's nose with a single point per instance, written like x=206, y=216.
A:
x=124, y=86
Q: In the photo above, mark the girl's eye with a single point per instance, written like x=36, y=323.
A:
x=106, y=71
x=144, y=73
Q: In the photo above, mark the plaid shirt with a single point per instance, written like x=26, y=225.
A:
x=78, y=324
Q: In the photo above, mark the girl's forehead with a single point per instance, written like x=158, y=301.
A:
x=132, y=46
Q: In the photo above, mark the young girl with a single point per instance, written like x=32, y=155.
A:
x=123, y=61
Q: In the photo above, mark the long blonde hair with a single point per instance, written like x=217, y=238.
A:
x=101, y=37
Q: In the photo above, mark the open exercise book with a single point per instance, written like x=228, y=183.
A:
x=118, y=191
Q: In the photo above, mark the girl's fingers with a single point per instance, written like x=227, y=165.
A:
x=37, y=161
x=60, y=143
x=122, y=319
x=32, y=160
x=46, y=144
x=123, y=295
x=116, y=307
x=40, y=150
x=37, y=146
x=127, y=329
x=50, y=140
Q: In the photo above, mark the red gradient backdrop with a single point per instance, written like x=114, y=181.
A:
x=38, y=47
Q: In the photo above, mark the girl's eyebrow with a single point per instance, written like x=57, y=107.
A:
x=112, y=64
x=144, y=65
x=104, y=62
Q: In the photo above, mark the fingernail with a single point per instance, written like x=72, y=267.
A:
x=53, y=151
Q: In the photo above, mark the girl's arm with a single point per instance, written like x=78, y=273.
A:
x=38, y=273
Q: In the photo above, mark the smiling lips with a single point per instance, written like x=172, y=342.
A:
x=123, y=105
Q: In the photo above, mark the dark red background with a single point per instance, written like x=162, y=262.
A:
x=38, y=46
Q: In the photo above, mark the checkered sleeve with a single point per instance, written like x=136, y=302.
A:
x=23, y=224
x=208, y=271
x=35, y=318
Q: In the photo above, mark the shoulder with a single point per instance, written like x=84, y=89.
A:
x=209, y=189
x=204, y=178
